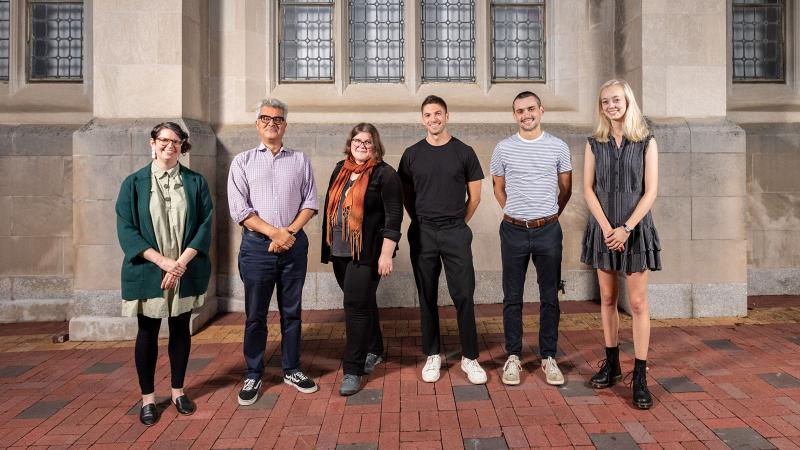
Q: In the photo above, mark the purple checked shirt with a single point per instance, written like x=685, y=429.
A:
x=276, y=187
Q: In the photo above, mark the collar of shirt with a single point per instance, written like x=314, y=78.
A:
x=160, y=173
x=262, y=148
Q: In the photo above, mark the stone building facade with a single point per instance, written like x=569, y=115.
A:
x=74, y=125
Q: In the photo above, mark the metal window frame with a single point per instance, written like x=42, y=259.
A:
x=321, y=3
x=474, y=78
x=7, y=78
x=29, y=41
x=492, y=58
x=758, y=80
x=351, y=57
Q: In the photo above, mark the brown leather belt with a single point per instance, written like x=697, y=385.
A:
x=532, y=223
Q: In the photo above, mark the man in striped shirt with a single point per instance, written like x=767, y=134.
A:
x=271, y=194
x=532, y=179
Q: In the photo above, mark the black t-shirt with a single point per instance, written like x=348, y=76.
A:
x=438, y=176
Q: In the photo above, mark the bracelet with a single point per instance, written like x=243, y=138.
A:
x=627, y=229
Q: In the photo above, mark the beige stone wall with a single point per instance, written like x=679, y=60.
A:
x=36, y=266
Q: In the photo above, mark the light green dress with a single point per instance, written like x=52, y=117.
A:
x=168, y=212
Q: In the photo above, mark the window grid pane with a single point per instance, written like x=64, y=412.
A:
x=518, y=41
x=306, y=47
x=758, y=41
x=376, y=41
x=448, y=40
x=56, y=44
x=5, y=32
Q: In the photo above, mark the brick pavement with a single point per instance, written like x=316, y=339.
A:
x=717, y=383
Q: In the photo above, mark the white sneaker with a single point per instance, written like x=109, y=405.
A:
x=474, y=371
x=430, y=373
x=551, y=371
x=511, y=370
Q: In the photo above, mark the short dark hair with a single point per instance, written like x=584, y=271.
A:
x=526, y=94
x=377, y=145
x=433, y=100
x=174, y=127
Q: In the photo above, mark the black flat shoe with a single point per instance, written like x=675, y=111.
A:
x=148, y=415
x=185, y=406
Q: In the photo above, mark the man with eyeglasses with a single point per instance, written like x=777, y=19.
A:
x=442, y=188
x=272, y=195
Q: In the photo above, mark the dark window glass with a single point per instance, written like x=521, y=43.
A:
x=448, y=40
x=306, y=40
x=518, y=40
x=758, y=40
x=56, y=41
x=376, y=41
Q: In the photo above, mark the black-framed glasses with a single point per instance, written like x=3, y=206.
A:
x=265, y=120
x=164, y=142
x=359, y=143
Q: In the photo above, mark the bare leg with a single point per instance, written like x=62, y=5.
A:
x=608, y=306
x=637, y=295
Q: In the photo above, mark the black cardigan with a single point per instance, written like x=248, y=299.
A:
x=383, y=213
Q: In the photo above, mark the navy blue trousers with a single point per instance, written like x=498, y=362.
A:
x=261, y=272
x=518, y=246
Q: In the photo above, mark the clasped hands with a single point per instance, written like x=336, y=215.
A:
x=173, y=270
x=615, y=238
x=282, y=240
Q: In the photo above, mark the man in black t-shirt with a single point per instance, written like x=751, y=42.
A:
x=442, y=185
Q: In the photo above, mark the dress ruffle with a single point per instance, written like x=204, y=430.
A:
x=642, y=250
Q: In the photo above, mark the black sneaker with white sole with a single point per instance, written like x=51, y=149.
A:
x=249, y=393
x=300, y=382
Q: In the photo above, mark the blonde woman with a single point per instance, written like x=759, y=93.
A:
x=620, y=185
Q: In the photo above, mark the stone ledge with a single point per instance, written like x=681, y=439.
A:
x=773, y=281
x=35, y=310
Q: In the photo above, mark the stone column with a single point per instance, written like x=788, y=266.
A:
x=155, y=70
x=673, y=55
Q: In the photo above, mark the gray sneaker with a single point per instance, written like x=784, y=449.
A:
x=372, y=361
x=350, y=385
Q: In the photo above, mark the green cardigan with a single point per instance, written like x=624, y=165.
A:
x=140, y=277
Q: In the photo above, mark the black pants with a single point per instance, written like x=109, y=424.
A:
x=261, y=272
x=359, y=282
x=146, y=350
x=543, y=246
x=431, y=245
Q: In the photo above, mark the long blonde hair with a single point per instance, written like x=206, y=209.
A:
x=634, y=127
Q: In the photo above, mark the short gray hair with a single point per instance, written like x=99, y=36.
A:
x=274, y=103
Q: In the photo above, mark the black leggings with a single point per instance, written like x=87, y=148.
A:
x=146, y=351
x=359, y=283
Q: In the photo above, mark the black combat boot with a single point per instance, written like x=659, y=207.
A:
x=641, y=396
x=610, y=371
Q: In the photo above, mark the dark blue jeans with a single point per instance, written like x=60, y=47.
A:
x=261, y=271
x=543, y=246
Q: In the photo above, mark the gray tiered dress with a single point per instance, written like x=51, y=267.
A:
x=619, y=185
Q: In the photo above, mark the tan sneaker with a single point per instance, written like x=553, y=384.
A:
x=551, y=371
x=511, y=370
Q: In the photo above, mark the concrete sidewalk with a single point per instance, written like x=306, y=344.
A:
x=716, y=383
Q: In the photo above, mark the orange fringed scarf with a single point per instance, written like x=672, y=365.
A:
x=353, y=205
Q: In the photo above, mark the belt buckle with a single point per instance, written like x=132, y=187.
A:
x=526, y=225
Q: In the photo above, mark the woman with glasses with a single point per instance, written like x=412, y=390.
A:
x=164, y=228
x=620, y=182
x=361, y=228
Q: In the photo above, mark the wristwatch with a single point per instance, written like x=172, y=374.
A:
x=627, y=229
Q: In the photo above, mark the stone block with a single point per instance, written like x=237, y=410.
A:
x=100, y=177
x=95, y=222
x=773, y=281
x=719, y=299
x=6, y=205
x=673, y=169
x=5, y=288
x=43, y=140
x=53, y=310
x=718, y=218
x=398, y=290
x=6, y=137
x=768, y=211
x=97, y=267
x=30, y=256
x=486, y=251
x=201, y=316
x=717, y=174
x=43, y=287
x=675, y=257
x=31, y=176
x=97, y=303
x=776, y=171
x=93, y=328
x=774, y=248
x=669, y=300
x=672, y=135
x=103, y=137
x=581, y=285
x=716, y=136
x=488, y=286
x=42, y=216
x=673, y=217
x=708, y=82
x=718, y=261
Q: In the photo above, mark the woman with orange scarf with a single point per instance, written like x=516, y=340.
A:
x=362, y=217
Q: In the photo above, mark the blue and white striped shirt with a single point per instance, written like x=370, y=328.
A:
x=530, y=169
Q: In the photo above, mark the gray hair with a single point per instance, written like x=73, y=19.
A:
x=274, y=103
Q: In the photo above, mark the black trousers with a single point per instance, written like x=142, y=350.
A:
x=359, y=282
x=445, y=243
x=146, y=350
x=543, y=246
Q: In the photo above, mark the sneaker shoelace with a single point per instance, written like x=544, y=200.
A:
x=512, y=362
x=551, y=367
x=298, y=377
x=432, y=362
x=472, y=365
x=249, y=383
